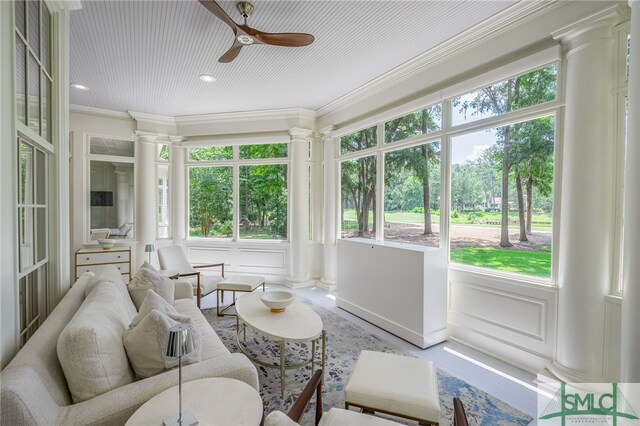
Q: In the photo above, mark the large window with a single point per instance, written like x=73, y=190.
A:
x=358, y=182
x=259, y=175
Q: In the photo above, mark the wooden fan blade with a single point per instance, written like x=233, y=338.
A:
x=285, y=39
x=219, y=12
x=231, y=54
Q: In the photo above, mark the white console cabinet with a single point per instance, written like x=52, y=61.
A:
x=401, y=288
x=94, y=259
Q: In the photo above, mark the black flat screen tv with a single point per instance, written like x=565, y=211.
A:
x=101, y=198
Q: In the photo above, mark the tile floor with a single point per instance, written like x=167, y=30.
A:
x=512, y=385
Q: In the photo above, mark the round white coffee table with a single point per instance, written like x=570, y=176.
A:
x=214, y=401
x=298, y=323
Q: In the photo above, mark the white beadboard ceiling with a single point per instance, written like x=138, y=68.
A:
x=146, y=56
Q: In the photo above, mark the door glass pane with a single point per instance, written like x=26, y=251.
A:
x=20, y=9
x=34, y=26
x=358, y=187
x=25, y=183
x=41, y=233
x=25, y=237
x=113, y=147
x=21, y=81
x=263, y=202
x=211, y=202
x=41, y=178
x=163, y=201
x=46, y=107
x=33, y=92
x=46, y=38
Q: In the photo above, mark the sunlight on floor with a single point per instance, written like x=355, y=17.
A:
x=331, y=296
x=496, y=371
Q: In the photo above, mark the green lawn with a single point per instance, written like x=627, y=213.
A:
x=523, y=262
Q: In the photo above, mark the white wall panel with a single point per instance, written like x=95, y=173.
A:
x=262, y=258
x=507, y=318
x=612, y=325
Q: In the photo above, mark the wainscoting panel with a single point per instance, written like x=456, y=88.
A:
x=263, y=258
x=512, y=320
x=209, y=255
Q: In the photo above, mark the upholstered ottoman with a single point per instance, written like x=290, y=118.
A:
x=394, y=384
x=242, y=283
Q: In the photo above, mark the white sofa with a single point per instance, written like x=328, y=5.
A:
x=34, y=390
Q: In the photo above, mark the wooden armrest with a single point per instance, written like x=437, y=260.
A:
x=190, y=274
x=208, y=265
x=299, y=407
x=459, y=416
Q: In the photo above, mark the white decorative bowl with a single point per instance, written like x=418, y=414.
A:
x=278, y=300
x=106, y=243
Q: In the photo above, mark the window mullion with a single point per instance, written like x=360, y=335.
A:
x=379, y=201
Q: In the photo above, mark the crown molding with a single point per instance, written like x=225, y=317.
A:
x=502, y=22
x=228, y=117
x=98, y=112
x=152, y=118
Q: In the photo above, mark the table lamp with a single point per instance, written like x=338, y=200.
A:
x=180, y=343
x=149, y=248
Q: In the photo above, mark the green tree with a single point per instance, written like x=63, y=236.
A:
x=210, y=197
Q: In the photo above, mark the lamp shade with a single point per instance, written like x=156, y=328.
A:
x=149, y=248
x=180, y=341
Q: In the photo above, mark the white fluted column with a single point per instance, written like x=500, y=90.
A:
x=145, y=226
x=330, y=270
x=299, y=207
x=178, y=188
x=586, y=218
x=123, y=180
x=630, y=332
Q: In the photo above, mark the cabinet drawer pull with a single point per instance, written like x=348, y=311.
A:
x=88, y=258
x=119, y=257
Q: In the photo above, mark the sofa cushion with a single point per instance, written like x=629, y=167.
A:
x=151, y=302
x=147, y=278
x=111, y=273
x=146, y=344
x=212, y=346
x=90, y=347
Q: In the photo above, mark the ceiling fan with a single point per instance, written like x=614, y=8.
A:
x=246, y=36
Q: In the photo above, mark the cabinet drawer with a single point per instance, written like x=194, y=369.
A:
x=122, y=267
x=106, y=257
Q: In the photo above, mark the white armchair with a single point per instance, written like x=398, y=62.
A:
x=203, y=284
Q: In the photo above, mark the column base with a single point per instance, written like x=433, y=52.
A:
x=293, y=282
x=327, y=284
x=569, y=375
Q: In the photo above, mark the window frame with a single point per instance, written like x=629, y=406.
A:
x=444, y=136
x=235, y=163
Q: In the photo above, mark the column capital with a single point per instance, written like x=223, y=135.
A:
x=300, y=133
x=146, y=137
x=326, y=133
x=590, y=29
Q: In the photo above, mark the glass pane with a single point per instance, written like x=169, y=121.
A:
x=112, y=198
x=359, y=140
x=33, y=91
x=516, y=93
x=20, y=9
x=627, y=56
x=34, y=26
x=501, y=211
x=163, y=152
x=358, y=187
x=21, y=81
x=41, y=233
x=45, y=103
x=412, y=195
x=22, y=289
x=211, y=202
x=211, y=153
x=421, y=122
x=275, y=150
x=263, y=202
x=114, y=147
x=25, y=237
x=164, y=208
x=25, y=183
x=41, y=177
x=46, y=38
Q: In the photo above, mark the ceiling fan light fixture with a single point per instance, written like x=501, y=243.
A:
x=245, y=39
x=79, y=86
x=207, y=78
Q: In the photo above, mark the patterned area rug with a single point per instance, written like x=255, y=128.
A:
x=345, y=340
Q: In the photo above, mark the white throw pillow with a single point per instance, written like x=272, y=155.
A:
x=90, y=347
x=146, y=344
x=110, y=273
x=151, y=302
x=147, y=278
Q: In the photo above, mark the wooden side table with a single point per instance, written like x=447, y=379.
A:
x=214, y=401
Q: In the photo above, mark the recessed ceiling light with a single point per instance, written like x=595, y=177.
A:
x=207, y=78
x=79, y=86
